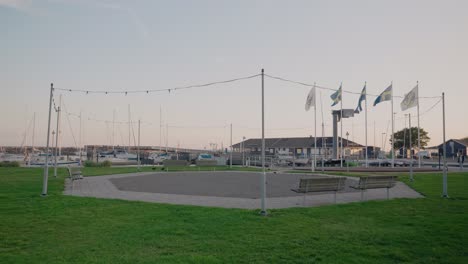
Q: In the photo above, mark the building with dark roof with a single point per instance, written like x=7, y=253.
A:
x=297, y=145
x=453, y=147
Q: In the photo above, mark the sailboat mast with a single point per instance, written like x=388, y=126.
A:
x=113, y=130
x=79, y=140
x=129, y=129
x=33, y=132
x=167, y=135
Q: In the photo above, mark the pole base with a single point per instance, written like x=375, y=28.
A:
x=44, y=195
x=263, y=213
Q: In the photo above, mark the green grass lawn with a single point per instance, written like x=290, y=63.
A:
x=65, y=229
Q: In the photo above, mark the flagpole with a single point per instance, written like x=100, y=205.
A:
x=365, y=94
x=341, y=126
x=410, y=147
x=263, y=183
x=314, y=163
x=323, y=130
x=393, y=131
x=46, y=167
x=419, y=134
x=444, y=177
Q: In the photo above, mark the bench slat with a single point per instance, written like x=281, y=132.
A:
x=75, y=173
x=376, y=182
x=320, y=184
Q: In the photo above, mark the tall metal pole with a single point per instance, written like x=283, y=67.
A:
x=139, y=155
x=160, y=128
x=393, y=132
x=341, y=127
x=56, y=141
x=46, y=167
x=230, y=158
x=367, y=159
x=410, y=147
x=32, y=139
x=404, y=141
x=324, y=146
x=243, y=152
x=314, y=162
x=263, y=184
x=80, y=149
x=60, y=129
x=444, y=178
x=419, y=133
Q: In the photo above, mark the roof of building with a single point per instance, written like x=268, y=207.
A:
x=463, y=141
x=296, y=142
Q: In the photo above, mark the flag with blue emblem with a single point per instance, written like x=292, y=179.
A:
x=361, y=98
x=386, y=95
x=336, y=97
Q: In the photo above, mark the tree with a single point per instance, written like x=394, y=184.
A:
x=402, y=138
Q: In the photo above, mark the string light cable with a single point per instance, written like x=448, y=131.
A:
x=334, y=90
x=159, y=90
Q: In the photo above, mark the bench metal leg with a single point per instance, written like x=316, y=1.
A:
x=304, y=201
x=362, y=194
x=388, y=193
x=335, y=197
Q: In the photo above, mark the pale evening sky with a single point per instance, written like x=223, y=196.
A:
x=145, y=45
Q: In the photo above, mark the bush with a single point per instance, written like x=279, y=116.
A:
x=89, y=163
x=9, y=164
x=105, y=163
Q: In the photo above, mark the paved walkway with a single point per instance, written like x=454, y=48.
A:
x=148, y=187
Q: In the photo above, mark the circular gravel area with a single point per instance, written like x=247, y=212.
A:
x=218, y=184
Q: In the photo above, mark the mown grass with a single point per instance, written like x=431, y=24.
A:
x=65, y=229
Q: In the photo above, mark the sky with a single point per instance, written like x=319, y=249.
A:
x=98, y=45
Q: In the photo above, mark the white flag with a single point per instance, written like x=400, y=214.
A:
x=411, y=99
x=310, y=99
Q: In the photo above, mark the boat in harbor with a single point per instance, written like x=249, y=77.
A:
x=158, y=157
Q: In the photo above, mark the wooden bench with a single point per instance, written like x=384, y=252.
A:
x=322, y=184
x=75, y=173
x=375, y=182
